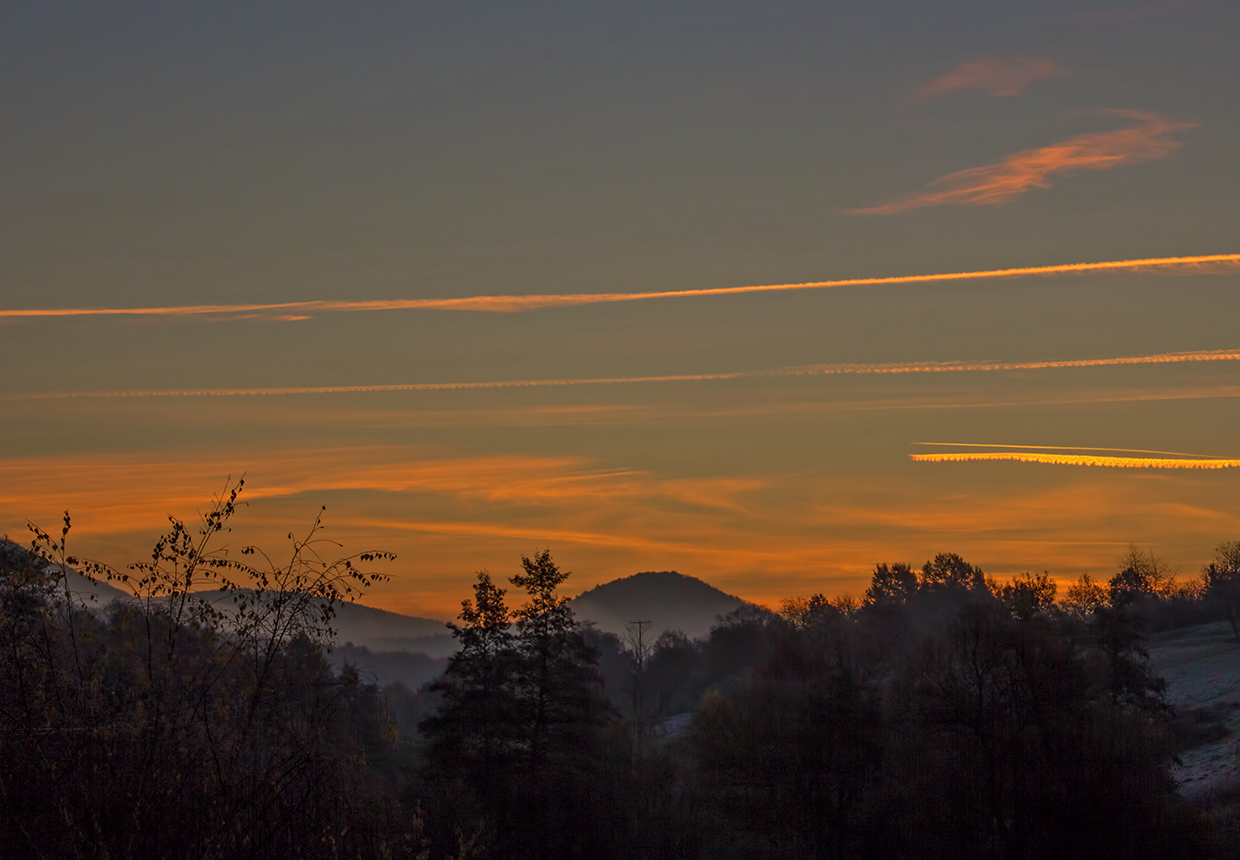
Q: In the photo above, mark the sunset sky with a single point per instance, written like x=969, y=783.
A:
x=410, y=260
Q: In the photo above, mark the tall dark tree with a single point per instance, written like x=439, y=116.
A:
x=518, y=735
x=1119, y=637
x=788, y=760
x=675, y=674
x=1028, y=595
x=739, y=642
x=558, y=680
x=949, y=571
x=562, y=711
x=890, y=585
x=1222, y=577
x=474, y=737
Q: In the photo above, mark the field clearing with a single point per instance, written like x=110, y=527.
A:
x=1202, y=668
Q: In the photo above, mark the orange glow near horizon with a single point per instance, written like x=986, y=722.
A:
x=513, y=303
x=763, y=537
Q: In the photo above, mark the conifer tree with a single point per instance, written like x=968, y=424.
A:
x=473, y=732
x=559, y=683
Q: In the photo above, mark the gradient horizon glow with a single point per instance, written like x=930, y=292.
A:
x=657, y=286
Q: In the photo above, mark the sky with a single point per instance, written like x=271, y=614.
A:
x=469, y=275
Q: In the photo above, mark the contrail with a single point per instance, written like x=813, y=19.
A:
x=801, y=370
x=513, y=303
x=1064, y=448
x=1081, y=460
x=964, y=366
x=362, y=389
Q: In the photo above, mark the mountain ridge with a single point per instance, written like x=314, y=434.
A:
x=669, y=600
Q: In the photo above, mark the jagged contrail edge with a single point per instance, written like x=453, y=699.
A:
x=1068, y=448
x=1081, y=460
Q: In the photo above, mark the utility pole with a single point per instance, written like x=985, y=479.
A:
x=636, y=631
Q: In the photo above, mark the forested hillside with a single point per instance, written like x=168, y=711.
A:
x=942, y=714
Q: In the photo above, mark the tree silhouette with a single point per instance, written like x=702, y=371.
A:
x=1084, y=597
x=474, y=740
x=1222, y=576
x=1013, y=747
x=519, y=726
x=891, y=586
x=790, y=758
x=184, y=722
x=948, y=571
x=1028, y=594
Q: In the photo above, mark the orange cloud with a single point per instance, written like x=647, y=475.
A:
x=509, y=303
x=458, y=511
x=801, y=370
x=997, y=184
x=992, y=76
x=1081, y=460
x=127, y=494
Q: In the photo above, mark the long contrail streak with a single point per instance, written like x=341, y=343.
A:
x=1081, y=460
x=802, y=370
x=514, y=303
x=1064, y=448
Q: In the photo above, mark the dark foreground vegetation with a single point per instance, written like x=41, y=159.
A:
x=942, y=715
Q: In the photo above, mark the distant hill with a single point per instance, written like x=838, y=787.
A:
x=362, y=626
x=99, y=593
x=667, y=599
x=15, y=556
x=380, y=630
x=389, y=667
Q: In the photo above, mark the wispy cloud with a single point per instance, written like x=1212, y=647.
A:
x=993, y=76
x=90, y=484
x=997, y=184
x=1204, y=263
x=1081, y=460
x=799, y=370
x=478, y=509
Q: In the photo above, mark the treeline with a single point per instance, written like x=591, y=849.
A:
x=942, y=714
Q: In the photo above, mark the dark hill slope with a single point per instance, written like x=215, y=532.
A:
x=381, y=630
x=356, y=624
x=668, y=600
x=15, y=557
